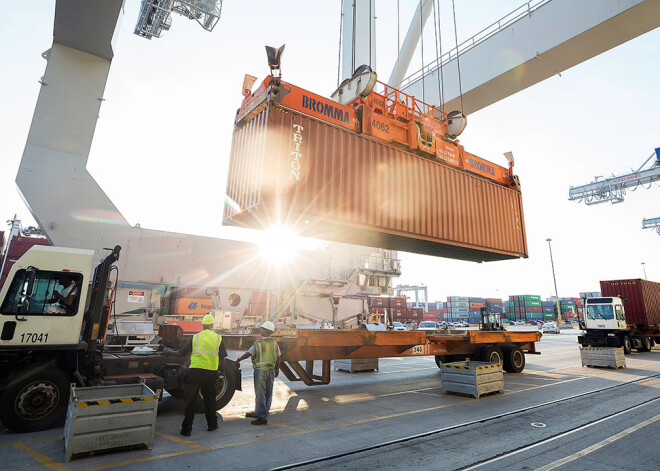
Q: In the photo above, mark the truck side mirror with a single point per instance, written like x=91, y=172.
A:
x=32, y=275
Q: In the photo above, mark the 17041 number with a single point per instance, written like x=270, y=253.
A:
x=34, y=337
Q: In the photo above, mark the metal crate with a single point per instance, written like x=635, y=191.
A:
x=106, y=417
x=357, y=364
x=608, y=357
x=474, y=378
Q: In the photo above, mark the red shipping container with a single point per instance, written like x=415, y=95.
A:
x=494, y=300
x=430, y=316
x=338, y=185
x=533, y=309
x=642, y=303
x=375, y=301
x=398, y=301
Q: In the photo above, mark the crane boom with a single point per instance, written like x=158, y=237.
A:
x=613, y=189
x=651, y=223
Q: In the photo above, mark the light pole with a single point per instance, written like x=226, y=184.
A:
x=644, y=268
x=552, y=263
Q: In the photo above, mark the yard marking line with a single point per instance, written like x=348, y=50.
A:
x=189, y=452
x=597, y=446
x=298, y=429
x=330, y=427
x=183, y=441
x=47, y=461
x=32, y=441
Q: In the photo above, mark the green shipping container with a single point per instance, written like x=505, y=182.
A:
x=533, y=303
x=548, y=315
x=529, y=297
x=534, y=315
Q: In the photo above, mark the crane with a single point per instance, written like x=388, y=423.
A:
x=613, y=189
x=156, y=15
x=652, y=223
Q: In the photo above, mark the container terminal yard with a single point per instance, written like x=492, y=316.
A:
x=417, y=292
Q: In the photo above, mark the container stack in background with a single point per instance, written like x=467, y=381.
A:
x=433, y=313
x=474, y=315
x=458, y=309
x=526, y=307
x=396, y=306
x=548, y=308
x=571, y=309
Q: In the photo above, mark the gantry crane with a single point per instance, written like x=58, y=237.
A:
x=652, y=223
x=614, y=188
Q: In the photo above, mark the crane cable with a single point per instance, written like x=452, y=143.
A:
x=421, y=35
x=341, y=24
x=438, y=44
x=458, y=59
x=398, y=44
x=353, y=45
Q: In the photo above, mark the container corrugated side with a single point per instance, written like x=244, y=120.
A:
x=329, y=183
x=642, y=303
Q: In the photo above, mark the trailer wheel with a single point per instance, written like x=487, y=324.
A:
x=514, y=358
x=440, y=359
x=491, y=354
x=646, y=344
x=225, y=387
x=627, y=344
x=35, y=402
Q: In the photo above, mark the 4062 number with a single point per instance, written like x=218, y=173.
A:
x=380, y=126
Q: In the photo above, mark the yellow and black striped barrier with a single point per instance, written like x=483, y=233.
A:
x=472, y=368
x=119, y=400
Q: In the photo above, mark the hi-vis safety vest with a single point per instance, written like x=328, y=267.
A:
x=265, y=354
x=204, y=354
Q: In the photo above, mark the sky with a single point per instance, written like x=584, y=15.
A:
x=165, y=129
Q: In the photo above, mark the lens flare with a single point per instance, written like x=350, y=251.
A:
x=279, y=245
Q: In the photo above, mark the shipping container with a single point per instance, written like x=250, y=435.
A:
x=379, y=301
x=460, y=310
x=458, y=299
x=642, y=299
x=494, y=300
x=529, y=297
x=454, y=304
x=398, y=302
x=324, y=181
x=533, y=309
x=16, y=248
x=191, y=306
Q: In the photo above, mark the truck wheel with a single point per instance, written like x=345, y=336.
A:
x=440, y=359
x=646, y=344
x=225, y=387
x=514, y=358
x=627, y=345
x=491, y=354
x=35, y=402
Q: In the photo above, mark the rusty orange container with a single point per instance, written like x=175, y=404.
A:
x=330, y=183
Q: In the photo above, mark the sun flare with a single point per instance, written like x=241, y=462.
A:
x=279, y=245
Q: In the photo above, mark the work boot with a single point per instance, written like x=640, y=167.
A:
x=213, y=427
x=251, y=415
x=259, y=421
x=185, y=433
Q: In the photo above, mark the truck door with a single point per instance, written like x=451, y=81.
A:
x=49, y=315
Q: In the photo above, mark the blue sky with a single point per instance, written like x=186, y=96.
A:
x=167, y=121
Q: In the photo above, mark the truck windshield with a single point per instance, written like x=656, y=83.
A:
x=600, y=311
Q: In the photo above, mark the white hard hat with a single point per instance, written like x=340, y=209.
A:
x=268, y=325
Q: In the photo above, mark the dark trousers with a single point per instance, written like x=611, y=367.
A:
x=195, y=380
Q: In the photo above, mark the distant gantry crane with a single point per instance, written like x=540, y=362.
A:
x=653, y=223
x=156, y=15
x=613, y=189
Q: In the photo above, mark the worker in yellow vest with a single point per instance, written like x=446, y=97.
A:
x=207, y=360
x=265, y=354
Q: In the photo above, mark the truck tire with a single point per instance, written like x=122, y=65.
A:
x=646, y=344
x=514, y=358
x=626, y=343
x=491, y=354
x=35, y=402
x=440, y=359
x=225, y=387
